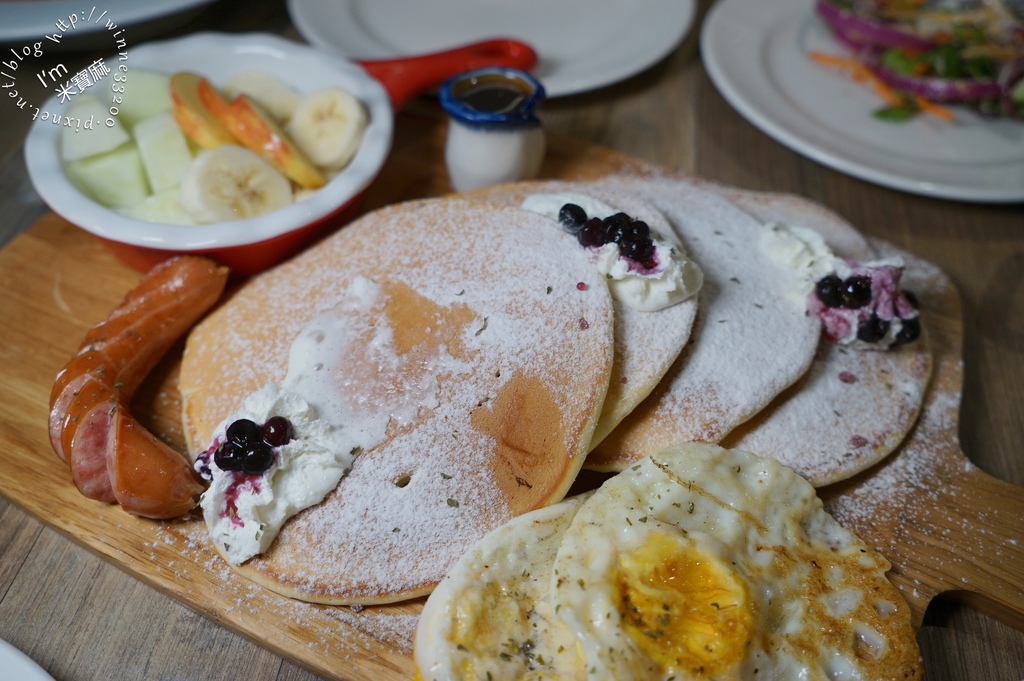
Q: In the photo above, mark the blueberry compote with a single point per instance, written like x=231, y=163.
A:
x=866, y=305
x=632, y=236
x=248, y=448
x=246, y=453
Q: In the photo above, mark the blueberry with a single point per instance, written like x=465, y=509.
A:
x=639, y=228
x=640, y=249
x=277, y=431
x=592, y=233
x=244, y=432
x=257, y=458
x=616, y=227
x=572, y=217
x=910, y=330
x=228, y=457
x=828, y=290
x=856, y=292
x=872, y=329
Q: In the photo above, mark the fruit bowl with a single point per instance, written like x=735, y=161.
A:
x=247, y=245
x=252, y=244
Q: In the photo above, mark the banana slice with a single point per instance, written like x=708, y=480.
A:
x=267, y=91
x=328, y=126
x=231, y=183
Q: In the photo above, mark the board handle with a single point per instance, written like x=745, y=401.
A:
x=990, y=539
x=972, y=527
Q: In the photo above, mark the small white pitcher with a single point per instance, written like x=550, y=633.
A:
x=494, y=134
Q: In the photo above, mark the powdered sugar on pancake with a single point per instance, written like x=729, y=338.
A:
x=795, y=210
x=849, y=411
x=646, y=343
x=749, y=343
x=491, y=288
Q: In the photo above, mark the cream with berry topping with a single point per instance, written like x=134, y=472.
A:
x=877, y=318
x=673, y=279
x=888, y=318
x=244, y=512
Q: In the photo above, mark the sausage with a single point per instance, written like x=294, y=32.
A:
x=112, y=457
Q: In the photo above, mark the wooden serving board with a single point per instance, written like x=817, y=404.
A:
x=944, y=524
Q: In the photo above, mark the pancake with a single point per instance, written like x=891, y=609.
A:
x=848, y=413
x=845, y=239
x=750, y=340
x=646, y=343
x=853, y=407
x=506, y=355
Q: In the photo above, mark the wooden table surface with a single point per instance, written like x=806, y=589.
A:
x=81, y=618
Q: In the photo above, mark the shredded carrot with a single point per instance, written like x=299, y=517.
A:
x=835, y=60
x=884, y=91
x=863, y=74
x=934, y=109
x=860, y=73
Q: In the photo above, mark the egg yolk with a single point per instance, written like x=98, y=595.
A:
x=685, y=609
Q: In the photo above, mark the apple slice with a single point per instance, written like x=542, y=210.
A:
x=197, y=121
x=256, y=129
x=270, y=93
x=213, y=101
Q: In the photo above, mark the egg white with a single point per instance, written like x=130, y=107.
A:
x=490, y=617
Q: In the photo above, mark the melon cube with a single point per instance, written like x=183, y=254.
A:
x=115, y=179
x=163, y=207
x=164, y=150
x=146, y=93
x=90, y=134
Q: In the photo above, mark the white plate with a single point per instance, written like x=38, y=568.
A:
x=582, y=44
x=16, y=665
x=31, y=20
x=756, y=54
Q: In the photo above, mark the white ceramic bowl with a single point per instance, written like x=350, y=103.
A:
x=250, y=245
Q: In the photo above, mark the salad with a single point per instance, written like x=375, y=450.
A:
x=920, y=55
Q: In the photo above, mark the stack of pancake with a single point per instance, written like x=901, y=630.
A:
x=534, y=372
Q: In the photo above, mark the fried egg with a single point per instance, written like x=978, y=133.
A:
x=705, y=563
x=490, y=617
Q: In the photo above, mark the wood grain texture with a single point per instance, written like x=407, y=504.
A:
x=954, y=528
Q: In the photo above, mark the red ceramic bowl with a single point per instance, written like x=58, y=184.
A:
x=252, y=245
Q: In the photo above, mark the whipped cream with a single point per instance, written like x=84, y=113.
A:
x=331, y=423
x=802, y=250
x=673, y=279
x=805, y=252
